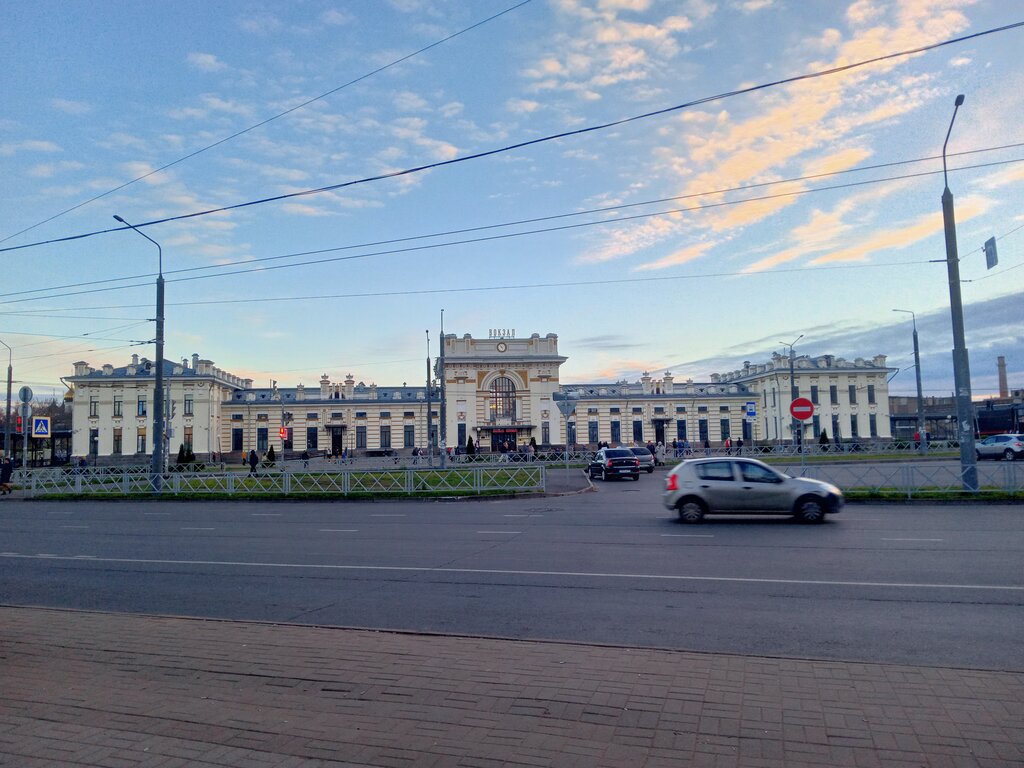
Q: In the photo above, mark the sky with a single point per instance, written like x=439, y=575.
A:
x=713, y=229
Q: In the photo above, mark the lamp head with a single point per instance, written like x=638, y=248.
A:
x=959, y=101
x=118, y=218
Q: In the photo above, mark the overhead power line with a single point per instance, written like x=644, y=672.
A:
x=260, y=124
x=528, y=143
x=505, y=236
x=520, y=222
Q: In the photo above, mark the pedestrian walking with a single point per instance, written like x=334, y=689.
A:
x=254, y=460
x=6, y=473
x=707, y=447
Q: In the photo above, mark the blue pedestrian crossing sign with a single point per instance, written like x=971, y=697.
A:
x=40, y=426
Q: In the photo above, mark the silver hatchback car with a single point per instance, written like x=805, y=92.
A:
x=731, y=486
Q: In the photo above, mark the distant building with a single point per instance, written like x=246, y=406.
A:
x=499, y=391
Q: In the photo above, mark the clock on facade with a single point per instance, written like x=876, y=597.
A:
x=502, y=346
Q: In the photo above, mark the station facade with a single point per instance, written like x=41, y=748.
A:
x=500, y=391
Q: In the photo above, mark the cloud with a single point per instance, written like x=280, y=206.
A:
x=1001, y=178
x=28, y=145
x=900, y=237
x=606, y=342
x=335, y=18
x=753, y=6
x=607, y=48
x=259, y=24
x=304, y=209
x=810, y=127
x=48, y=170
x=520, y=106
x=683, y=256
x=407, y=101
x=205, y=62
x=71, y=107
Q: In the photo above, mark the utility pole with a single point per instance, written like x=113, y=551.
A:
x=921, y=430
x=7, y=414
x=157, y=467
x=430, y=461
x=444, y=401
x=793, y=391
x=961, y=364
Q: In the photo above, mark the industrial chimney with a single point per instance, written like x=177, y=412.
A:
x=1004, y=390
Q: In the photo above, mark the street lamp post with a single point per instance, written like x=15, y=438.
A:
x=961, y=365
x=157, y=466
x=793, y=392
x=921, y=431
x=7, y=414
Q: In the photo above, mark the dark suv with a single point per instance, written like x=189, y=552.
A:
x=614, y=462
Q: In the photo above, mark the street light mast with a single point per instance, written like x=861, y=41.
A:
x=157, y=466
x=961, y=364
x=921, y=430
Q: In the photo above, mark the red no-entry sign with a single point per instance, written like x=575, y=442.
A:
x=801, y=408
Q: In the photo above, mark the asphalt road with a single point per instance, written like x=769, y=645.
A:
x=939, y=585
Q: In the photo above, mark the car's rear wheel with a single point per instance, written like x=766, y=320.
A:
x=636, y=476
x=810, y=510
x=1009, y=455
x=604, y=476
x=978, y=455
x=691, y=511
x=650, y=470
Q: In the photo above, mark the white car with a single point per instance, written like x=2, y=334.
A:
x=1009, y=447
x=728, y=485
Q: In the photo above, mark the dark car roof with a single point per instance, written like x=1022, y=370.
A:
x=640, y=451
x=613, y=452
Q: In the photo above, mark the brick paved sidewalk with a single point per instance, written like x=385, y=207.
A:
x=94, y=689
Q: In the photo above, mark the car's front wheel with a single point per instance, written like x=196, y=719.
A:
x=977, y=455
x=1009, y=455
x=691, y=511
x=810, y=510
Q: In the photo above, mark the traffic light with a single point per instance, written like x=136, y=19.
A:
x=283, y=432
x=19, y=424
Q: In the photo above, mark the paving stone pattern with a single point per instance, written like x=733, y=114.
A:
x=96, y=689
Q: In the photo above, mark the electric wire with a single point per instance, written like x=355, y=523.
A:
x=288, y=111
x=508, y=235
x=530, y=142
x=520, y=222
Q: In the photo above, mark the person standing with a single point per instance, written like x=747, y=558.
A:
x=254, y=460
x=6, y=473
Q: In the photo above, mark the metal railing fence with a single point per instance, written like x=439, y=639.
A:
x=127, y=481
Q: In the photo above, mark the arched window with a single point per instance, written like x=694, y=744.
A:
x=503, y=398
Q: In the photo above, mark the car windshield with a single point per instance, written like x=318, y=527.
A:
x=618, y=453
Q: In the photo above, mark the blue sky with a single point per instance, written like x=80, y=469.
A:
x=753, y=254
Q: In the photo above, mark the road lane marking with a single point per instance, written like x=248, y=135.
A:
x=510, y=572
x=913, y=539
x=84, y=557
x=515, y=515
